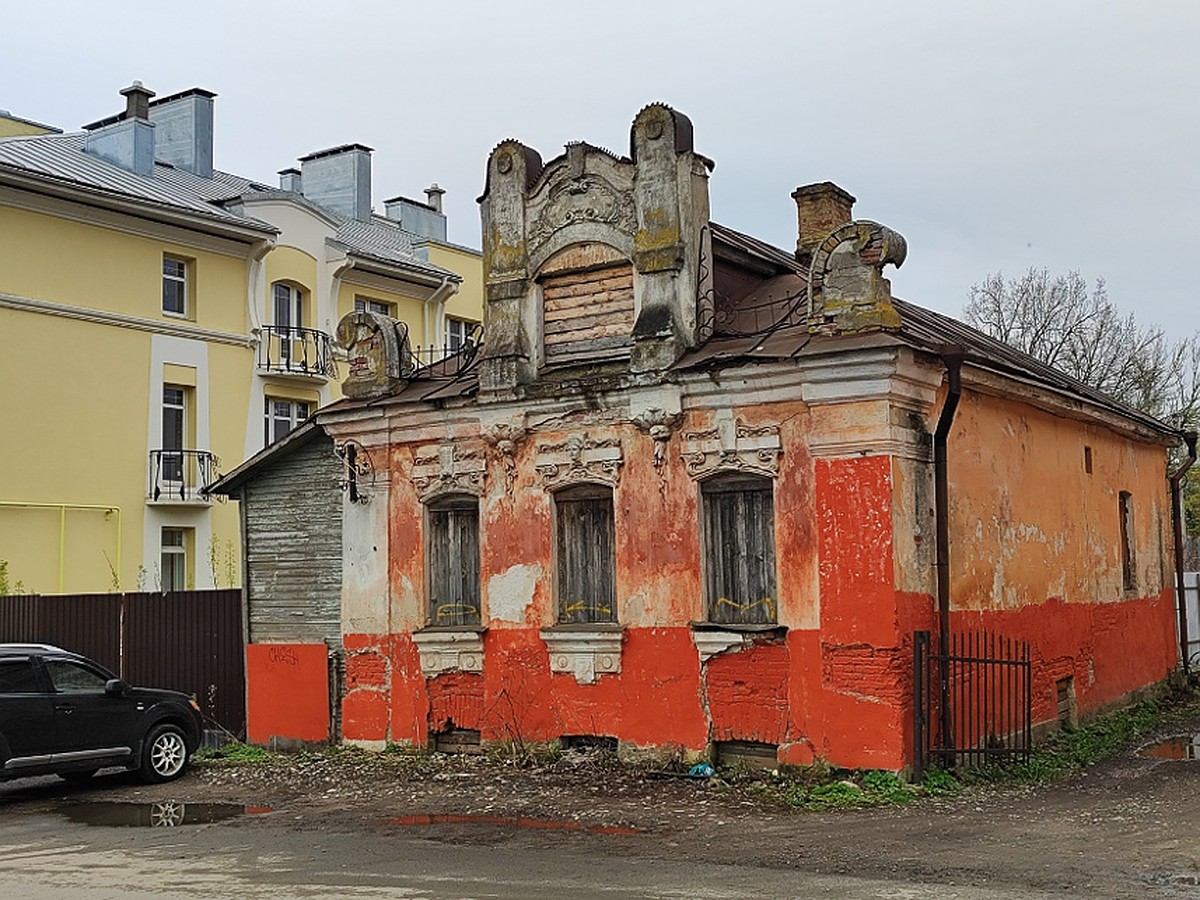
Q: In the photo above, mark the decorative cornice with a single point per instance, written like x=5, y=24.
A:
x=579, y=459
x=449, y=468
x=709, y=643
x=121, y=320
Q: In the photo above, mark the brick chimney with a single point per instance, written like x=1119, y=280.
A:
x=820, y=209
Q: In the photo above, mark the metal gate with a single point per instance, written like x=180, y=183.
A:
x=972, y=705
x=188, y=641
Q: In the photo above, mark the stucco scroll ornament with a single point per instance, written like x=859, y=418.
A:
x=659, y=425
x=579, y=460
x=847, y=290
x=357, y=471
x=586, y=198
x=449, y=469
x=505, y=438
x=749, y=448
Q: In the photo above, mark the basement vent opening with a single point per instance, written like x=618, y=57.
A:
x=457, y=740
x=588, y=742
x=752, y=754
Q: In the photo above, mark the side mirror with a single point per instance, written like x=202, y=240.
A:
x=115, y=687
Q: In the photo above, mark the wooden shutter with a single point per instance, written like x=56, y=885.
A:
x=739, y=537
x=586, y=557
x=453, y=555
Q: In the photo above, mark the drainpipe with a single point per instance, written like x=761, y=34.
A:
x=437, y=304
x=1189, y=438
x=952, y=357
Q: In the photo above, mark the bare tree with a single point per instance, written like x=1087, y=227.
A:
x=1061, y=321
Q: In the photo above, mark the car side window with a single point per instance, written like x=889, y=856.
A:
x=70, y=677
x=18, y=676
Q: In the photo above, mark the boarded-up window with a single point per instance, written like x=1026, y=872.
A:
x=1127, y=563
x=588, y=312
x=586, y=557
x=739, y=540
x=453, y=555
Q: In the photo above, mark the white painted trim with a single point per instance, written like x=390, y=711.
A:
x=585, y=654
x=172, y=329
x=447, y=651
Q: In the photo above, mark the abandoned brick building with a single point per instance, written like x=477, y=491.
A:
x=685, y=493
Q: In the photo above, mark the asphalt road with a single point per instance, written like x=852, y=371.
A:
x=46, y=856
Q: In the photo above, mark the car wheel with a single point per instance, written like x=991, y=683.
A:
x=164, y=754
x=77, y=777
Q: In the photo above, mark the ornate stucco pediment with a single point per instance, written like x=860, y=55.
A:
x=580, y=459
x=377, y=353
x=603, y=205
x=449, y=468
x=733, y=447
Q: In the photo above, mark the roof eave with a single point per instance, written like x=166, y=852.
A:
x=249, y=231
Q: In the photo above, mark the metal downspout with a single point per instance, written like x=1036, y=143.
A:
x=952, y=357
x=1189, y=438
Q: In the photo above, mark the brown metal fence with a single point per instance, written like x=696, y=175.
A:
x=188, y=641
x=973, y=705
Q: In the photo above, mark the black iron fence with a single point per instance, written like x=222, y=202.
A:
x=188, y=641
x=290, y=350
x=179, y=475
x=973, y=704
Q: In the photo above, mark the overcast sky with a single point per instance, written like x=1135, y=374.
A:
x=993, y=136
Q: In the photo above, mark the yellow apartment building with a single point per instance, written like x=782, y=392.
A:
x=162, y=320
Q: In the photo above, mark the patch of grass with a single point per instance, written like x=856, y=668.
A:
x=940, y=783
x=1067, y=752
x=235, y=753
x=812, y=790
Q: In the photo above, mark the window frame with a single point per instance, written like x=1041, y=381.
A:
x=582, y=493
x=294, y=417
x=182, y=280
x=713, y=574
x=434, y=509
x=455, y=342
x=173, y=550
x=370, y=304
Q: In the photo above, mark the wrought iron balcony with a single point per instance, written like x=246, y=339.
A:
x=179, y=476
x=288, y=350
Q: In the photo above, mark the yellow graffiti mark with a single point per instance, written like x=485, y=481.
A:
x=746, y=607
x=449, y=610
x=584, y=606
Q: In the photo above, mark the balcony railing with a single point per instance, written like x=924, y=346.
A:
x=177, y=476
x=288, y=350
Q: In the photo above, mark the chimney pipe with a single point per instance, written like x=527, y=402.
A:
x=820, y=210
x=137, y=101
x=433, y=195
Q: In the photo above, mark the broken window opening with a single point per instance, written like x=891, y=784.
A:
x=1125, y=503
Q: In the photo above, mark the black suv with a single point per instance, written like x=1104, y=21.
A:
x=63, y=714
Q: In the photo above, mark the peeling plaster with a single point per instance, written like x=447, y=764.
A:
x=510, y=593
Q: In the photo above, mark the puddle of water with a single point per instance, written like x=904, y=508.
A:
x=426, y=819
x=167, y=814
x=1184, y=746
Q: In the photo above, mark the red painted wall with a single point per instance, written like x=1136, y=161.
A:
x=287, y=692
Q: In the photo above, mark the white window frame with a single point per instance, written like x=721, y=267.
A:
x=366, y=304
x=176, y=554
x=180, y=279
x=293, y=418
x=456, y=333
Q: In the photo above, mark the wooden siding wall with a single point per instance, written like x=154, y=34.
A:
x=587, y=312
x=293, y=516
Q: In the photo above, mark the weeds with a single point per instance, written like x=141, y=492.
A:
x=235, y=753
